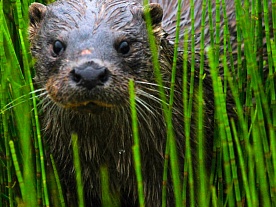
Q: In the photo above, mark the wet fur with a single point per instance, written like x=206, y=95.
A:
x=105, y=138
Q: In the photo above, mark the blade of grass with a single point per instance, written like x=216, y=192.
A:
x=173, y=149
x=158, y=77
x=201, y=155
x=222, y=119
x=136, y=146
x=188, y=110
x=273, y=4
x=77, y=166
x=227, y=127
x=273, y=106
x=242, y=165
x=23, y=41
x=170, y=136
x=188, y=170
x=260, y=161
x=60, y=195
x=4, y=116
x=18, y=171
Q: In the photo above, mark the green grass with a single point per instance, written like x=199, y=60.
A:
x=244, y=163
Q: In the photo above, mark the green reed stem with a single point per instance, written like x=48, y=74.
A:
x=106, y=199
x=23, y=41
x=273, y=4
x=238, y=199
x=220, y=174
x=166, y=110
x=188, y=111
x=24, y=131
x=258, y=44
x=17, y=171
x=154, y=53
x=201, y=155
x=60, y=195
x=227, y=44
x=267, y=35
x=273, y=104
x=136, y=146
x=192, y=78
x=218, y=29
x=28, y=167
x=162, y=95
x=77, y=166
x=223, y=125
x=259, y=157
x=250, y=189
x=262, y=109
x=211, y=25
x=239, y=46
x=188, y=169
x=173, y=150
x=242, y=165
x=214, y=197
x=4, y=116
x=227, y=128
x=8, y=157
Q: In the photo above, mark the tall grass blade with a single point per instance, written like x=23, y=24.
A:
x=77, y=166
x=136, y=146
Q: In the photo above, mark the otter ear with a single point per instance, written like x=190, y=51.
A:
x=156, y=12
x=36, y=14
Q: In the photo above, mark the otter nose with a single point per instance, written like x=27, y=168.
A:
x=89, y=75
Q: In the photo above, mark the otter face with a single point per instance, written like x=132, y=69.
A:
x=87, y=51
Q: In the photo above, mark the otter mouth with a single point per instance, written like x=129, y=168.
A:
x=94, y=107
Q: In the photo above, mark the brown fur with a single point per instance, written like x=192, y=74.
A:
x=101, y=116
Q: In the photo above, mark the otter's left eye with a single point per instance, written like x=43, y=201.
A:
x=58, y=48
x=123, y=47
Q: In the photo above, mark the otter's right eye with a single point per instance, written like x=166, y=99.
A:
x=123, y=47
x=58, y=47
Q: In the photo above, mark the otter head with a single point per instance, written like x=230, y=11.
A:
x=87, y=51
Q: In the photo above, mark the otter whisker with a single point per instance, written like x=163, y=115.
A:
x=8, y=108
x=46, y=103
x=143, y=115
x=42, y=101
x=144, y=104
x=152, y=84
x=155, y=111
x=150, y=96
x=37, y=90
x=156, y=91
x=147, y=118
x=12, y=104
x=15, y=100
x=41, y=95
x=168, y=90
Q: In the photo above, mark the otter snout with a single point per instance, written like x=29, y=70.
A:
x=89, y=75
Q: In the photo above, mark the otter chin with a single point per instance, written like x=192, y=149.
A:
x=94, y=107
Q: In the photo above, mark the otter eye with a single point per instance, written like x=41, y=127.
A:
x=58, y=47
x=123, y=47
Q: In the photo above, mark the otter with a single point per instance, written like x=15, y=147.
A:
x=86, y=53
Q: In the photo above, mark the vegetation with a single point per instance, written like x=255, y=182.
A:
x=243, y=170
